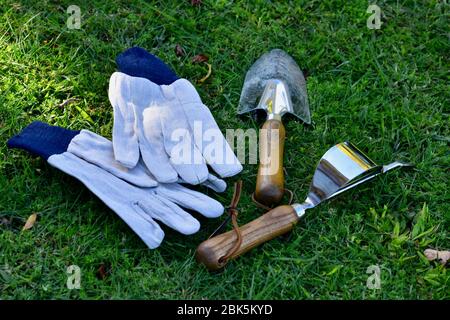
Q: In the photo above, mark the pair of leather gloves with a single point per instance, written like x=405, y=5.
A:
x=163, y=136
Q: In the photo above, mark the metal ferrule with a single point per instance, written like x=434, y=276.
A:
x=301, y=208
x=276, y=99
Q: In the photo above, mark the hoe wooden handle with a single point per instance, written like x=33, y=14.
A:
x=268, y=226
x=270, y=179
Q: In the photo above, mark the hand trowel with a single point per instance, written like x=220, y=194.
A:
x=341, y=168
x=275, y=84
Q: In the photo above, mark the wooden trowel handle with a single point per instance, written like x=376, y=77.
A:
x=268, y=226
x=270, y=179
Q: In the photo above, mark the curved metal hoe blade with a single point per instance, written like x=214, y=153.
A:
x=341, y=168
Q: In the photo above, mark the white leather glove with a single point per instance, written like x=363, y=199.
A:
x=170, y=127
x=88, y=157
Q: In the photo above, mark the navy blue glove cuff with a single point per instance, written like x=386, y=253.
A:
x=42, y=139
x=137, y=62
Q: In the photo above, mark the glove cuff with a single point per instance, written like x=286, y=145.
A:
x=42, y=139
x=137, y=62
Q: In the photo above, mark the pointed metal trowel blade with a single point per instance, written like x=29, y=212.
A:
x=278, y=65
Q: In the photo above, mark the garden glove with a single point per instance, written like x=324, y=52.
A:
x=137, y=62
x=170, y=127
x=131, y=193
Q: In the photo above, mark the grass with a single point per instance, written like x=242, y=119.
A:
x=385, y=90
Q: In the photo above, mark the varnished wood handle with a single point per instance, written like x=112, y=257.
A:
x=270, y=225
x=270, y=179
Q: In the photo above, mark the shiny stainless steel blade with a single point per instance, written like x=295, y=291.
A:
x=340, y=169
x=382, y=169
x=277, y=83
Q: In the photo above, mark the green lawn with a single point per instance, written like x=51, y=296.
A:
x=385, y=90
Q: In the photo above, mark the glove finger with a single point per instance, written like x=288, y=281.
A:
x=207, y=135
x=170, y=214
x=214, y=183
x=152, y=147
x=186, y=158
x=179, y=144
x=144, y=95
x=215, y=148
x=125, y=142
x=99, y=151
x=191, y=199
x=151, y=233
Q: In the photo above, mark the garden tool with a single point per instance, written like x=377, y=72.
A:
x=277, y=80
x=342, y=167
